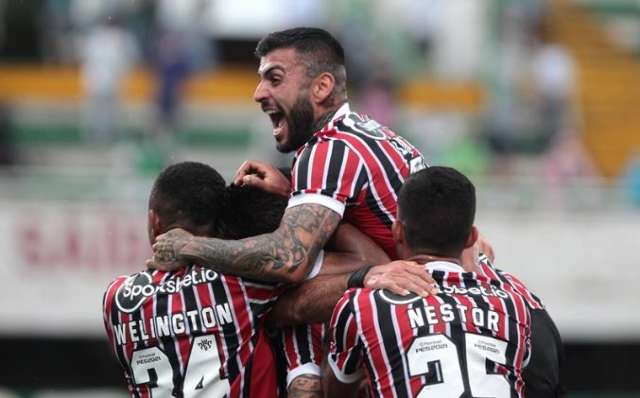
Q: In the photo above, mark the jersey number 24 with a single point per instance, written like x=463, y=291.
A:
x=151, y=367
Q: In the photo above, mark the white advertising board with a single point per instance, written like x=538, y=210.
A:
x=57, y=259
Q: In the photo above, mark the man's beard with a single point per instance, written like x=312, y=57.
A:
x=300, y=123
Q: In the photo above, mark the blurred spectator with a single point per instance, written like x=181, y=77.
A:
x=173, y=67
x=565, y=165
x=106, y=57
x=181, y=46
x=553, y=75
x=7, y=144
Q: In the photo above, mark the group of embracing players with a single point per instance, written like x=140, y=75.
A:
x=358, y=272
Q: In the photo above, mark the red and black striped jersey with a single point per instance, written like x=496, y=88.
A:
x=534, y=302
x=356, y=167
x=190, y=333
x=302, y=349
x=473, y=338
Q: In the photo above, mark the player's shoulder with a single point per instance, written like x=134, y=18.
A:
x=354, y=125
x=115, y=284
x=128, y=291
x=514, y=283
x=352, y=297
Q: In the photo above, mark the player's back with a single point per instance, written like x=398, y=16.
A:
x=470, y=340
x=189, y=333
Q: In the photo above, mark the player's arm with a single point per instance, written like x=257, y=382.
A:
x=343, y=373
x=305, y=386
x=314, y=300
x=542, y=374
x=351, y=241
x=284, y=255
x=314, y=211
x=335, y=388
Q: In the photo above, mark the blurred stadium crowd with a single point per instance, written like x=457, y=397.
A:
x=505, y=96
x=533, y=99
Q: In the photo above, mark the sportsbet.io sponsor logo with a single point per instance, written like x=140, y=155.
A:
x=482, y=290
x=488, y=291
x=137, y=288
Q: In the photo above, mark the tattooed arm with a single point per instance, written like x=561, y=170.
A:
x=305, y=386
x=284, y=255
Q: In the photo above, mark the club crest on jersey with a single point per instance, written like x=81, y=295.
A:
x=137, y=288
x=365, y=126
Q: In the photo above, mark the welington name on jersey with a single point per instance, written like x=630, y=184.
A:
x=176, y=324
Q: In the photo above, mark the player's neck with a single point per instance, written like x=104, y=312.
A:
x=327, y=115
x=423, y=258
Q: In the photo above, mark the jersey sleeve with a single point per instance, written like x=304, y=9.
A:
x=262, y=295
x=533, y=301
x=303, y=350
x=328, y=173
x=345, y=346
x=107, y=306
x=542, y=375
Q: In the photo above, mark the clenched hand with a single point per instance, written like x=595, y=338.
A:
x=166, y=250
x=263, y=176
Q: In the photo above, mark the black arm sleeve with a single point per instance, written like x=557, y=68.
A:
x=542, y=375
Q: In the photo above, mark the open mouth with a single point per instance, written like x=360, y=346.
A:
x=278, y=120
x=276, y=117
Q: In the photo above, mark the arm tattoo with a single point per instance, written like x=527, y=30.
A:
x=304, y=230
x=305, y=386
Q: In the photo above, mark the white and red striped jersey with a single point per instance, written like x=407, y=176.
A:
x=191, y=333
x=356, y=167
x=534, y=302
x=473, y=338
x=302, y=349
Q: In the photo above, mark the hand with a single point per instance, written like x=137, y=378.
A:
x=485, y=247
x=470, y=259
x=401, y=277
x=471, y=255
x=166, y=250
x=263, y=176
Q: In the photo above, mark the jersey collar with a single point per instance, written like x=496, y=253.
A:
x=344, y=110
x=433, y=263
x=444, y=266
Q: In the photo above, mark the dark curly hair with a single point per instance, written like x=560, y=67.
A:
x=189, y=193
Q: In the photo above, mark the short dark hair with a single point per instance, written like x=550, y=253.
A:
x=437, y=207
x=189, y=193
x=251, y=212
x=322, y=52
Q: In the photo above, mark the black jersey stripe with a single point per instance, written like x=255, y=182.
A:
x=390, y=345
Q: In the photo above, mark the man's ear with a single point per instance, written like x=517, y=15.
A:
x=397, y=231
x=322, y=87
x=473, y=237
x=154, y=225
